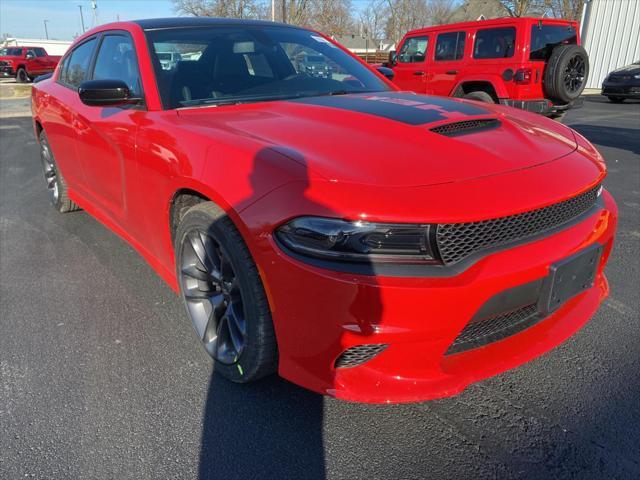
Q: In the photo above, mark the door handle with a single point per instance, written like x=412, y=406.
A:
x=452, y=72
x=419, y=73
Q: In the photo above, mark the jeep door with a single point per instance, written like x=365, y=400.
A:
x=410, y=70
x=448, y=62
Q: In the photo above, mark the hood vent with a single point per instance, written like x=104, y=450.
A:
x=466, y=126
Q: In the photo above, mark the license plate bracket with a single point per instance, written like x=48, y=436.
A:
x=569, y=277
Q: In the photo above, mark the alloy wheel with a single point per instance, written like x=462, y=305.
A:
x=213, y=296
x=574, y=74
x=50, y=172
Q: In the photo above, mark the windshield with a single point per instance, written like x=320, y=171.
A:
x=240, y=64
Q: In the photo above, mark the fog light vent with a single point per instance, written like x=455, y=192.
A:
x=359, y=354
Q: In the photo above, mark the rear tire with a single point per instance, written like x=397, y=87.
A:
x=56, y=186
x=479, y=96
x=22, y=76
x=616, y=99
x=223, y=295
x=566, y=72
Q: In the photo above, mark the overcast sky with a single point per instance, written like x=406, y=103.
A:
x=25, y=18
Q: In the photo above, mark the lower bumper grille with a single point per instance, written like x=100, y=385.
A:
x=359, y=354
x=478, y=333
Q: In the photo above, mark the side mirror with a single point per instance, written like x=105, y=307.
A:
x=387, y=72
x=106, y=93
x=393, y=58
x=29, y=55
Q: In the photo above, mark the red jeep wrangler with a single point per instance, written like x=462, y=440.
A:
x=26, y=63
x=530, y=63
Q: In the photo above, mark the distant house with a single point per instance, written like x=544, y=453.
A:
x=478, y=10
x=362, y=46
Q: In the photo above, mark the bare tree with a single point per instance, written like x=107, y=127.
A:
x=440, y=11
x=569, y=9
x=405, y=15
x=518, y=8
x=373, y=18
x=332, y=17
x=219, y=8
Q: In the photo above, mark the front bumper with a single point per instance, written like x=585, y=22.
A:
x=542, y=106
x=622, y=90
x=318, y=314
x=7, y=71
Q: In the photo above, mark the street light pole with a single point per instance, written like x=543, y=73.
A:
x=46, y=32
x=81, y=18
x=273, y=10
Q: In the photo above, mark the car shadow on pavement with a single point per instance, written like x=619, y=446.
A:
x=267, y=429
x=615, y=137
x=272, y=428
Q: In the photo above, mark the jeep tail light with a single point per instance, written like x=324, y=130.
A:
x=522, y=76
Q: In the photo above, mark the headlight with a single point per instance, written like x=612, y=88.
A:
x=334, y=239
x=637, y=76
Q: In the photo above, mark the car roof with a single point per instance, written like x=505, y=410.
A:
x=182, y=22
x=495, y=22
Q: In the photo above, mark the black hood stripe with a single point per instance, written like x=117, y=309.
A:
x=401, y=107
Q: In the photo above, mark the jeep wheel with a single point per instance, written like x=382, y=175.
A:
x=479, y=96
x=566, y=73
x=22, y=76
x=224, y=296
x=616, y=99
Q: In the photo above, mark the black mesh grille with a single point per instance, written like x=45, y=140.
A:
x=359, y=354
x=457, y=241
x=467, y=126
x=478, y=333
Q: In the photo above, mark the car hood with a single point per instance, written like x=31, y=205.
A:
x=387, y=138
x=628, y=69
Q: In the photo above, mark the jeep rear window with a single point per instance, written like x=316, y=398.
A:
x=544, y=38
x=495, y=43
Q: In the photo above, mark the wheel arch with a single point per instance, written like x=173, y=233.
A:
x=489, y=85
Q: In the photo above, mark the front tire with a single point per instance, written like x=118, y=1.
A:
x=56, y=186
x=22, y=76
x=224, y=295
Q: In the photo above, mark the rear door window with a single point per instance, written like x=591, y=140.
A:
x=450, y=46
x=413, y=50
x=40, y=52
x=545, y=37
x=495, y=43
x=76, y=70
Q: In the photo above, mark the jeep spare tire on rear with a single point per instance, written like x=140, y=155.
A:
x=566, y=73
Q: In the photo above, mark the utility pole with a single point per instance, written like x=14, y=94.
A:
x=273, y=10
x=46, y=32
x=81, y=18
x=94, y=7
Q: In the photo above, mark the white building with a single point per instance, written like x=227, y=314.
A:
x=53, y=47
x=610, y=32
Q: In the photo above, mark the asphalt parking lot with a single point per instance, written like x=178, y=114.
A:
x=102, y=377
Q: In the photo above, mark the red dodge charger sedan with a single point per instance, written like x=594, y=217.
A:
x=366, y=243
